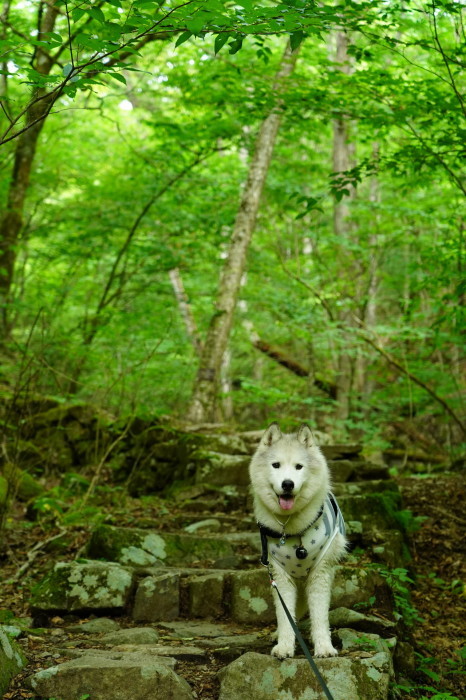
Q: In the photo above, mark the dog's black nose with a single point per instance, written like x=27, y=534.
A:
x=288, y=485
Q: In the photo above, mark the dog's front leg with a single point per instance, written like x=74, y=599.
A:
x=318, y=595
x=286, y=637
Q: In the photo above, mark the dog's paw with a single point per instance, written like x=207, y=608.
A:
x=283, y=651
x=325, y=649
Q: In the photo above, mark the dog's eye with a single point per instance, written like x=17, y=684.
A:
x=299, y=466
x=276, y=465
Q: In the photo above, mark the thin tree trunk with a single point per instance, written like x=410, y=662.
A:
x=341, y=163
x=204, y=398
x=12, y=220
x=365, y=385
x=185, y=309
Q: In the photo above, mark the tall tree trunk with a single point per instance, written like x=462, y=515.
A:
x=367, y=292
x=185, y=309
x=341, y=162
x=12, y=220
x=203, y=403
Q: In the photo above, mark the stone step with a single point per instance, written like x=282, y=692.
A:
x=180, y=647
x=348, y=677
x=221, y=469
x=138, y=547
x=165, y=594
x=126, y=676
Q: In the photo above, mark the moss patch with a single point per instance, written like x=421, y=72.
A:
x=139, y=548
x=12, y=660
x=73, y=586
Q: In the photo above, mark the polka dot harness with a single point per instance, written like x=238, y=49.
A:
x=299, y=553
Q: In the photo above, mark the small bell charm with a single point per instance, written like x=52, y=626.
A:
x=283, y=539
x=301, y=552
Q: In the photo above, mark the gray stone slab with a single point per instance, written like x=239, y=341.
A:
x=157, y=598
x=193, y=629
x=97, y=626
x=264, y=677
x=132, y=635
x=77, y=586
x=251, y=598
x=344, y=617
x=206, y=595
x=180, y=652
x=137, y=547
x=131, y=677
x=136, y=652
x=221, y=469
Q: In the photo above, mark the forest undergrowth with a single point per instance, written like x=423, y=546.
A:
x=436, y=603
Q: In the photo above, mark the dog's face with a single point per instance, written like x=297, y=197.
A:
x=287, y=470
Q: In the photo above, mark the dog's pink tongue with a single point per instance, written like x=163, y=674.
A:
x=286, y=503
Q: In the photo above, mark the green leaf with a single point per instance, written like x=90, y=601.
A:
x=236, y=45
x=96, y=13
x=67, y=69
x=296, y=39
x=118, y=76
x=182, y=38
x=220, y=40
x=197, y=24
x=77, y=13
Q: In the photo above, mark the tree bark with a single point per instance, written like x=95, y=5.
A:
x=11, y=222
x=204, y=399
x=341, y=163
x=295, y=367
x=185, y=309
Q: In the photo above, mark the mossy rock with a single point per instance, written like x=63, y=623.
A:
x=3, y=492
x=263, y=677
x=12, y=660
x=23, y=485
x=83, y=586
x=221, y=469
x=142, y=548
x=359, y=488
x=217, y=442
x=376, y=511
x=251, y=598
x=355, y=586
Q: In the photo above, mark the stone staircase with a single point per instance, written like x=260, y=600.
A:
x=184, y=598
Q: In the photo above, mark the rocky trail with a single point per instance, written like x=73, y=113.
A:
x=177, y=605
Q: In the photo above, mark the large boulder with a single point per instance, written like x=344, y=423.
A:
x=12, y=661
x=264, y=677
x=133, y=676
x=141, y=548
x=74, y=586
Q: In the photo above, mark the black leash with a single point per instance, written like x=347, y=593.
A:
x=301, y=641
x=264, y=532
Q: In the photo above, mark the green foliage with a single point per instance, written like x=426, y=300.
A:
x=399, y=582
x=138, y=170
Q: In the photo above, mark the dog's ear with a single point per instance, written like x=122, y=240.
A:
x=305, y=436
x=271, y=435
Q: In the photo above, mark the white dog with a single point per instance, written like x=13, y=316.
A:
x=303, y=529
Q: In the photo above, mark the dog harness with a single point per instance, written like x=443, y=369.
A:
x=298, y=553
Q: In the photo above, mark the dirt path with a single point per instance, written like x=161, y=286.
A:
x=439, y=564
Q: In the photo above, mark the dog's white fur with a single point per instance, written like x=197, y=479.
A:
x=311, y=485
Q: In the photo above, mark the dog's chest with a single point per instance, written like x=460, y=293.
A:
x=313, y=542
